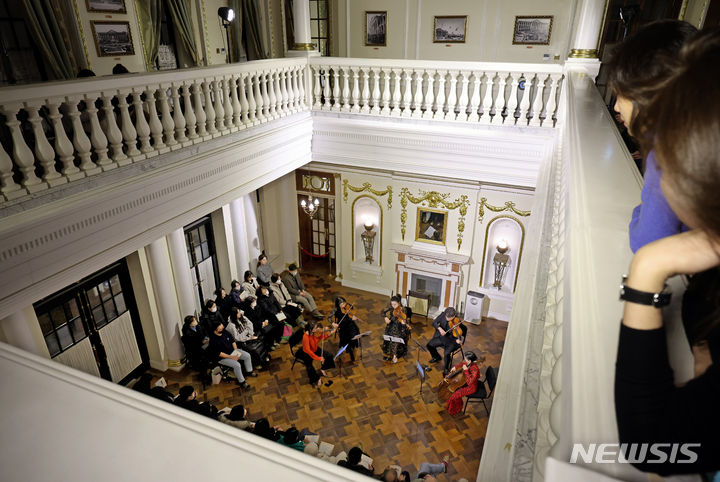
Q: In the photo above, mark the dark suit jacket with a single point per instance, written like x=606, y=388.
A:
x=293, y=284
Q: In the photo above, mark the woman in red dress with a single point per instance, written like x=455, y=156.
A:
x=472, y=378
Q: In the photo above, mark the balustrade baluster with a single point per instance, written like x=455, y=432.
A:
x=244, y=102
x=235, y=101
x=463, y=100
x=302, y=80
x=418, y=94
x=405, y=92
x=327, y=105
x=265, y=95
x=317, y=88
x=452, y=100
x=8, y=187
x=513, y=98
x=488, y=98
x=22, y=155
x=429, y=98
x=355, y=91
x=524, y=108
x=227, y=102
x=166, y=118
x=251, y=95
x=198, y=96
x=190, y=119
x=284, y=93
x=141, y=127
x=178, y=116
x=501, y=100
x=345, y=104
x=209, y=110
x=63, y=146
x=257, y=93
x=112, y=131
x=551, y=106
x=375, y=91
x=299, y=88
x=44, y=152
x=336, y=89
x=156, y=127
x=440, y=101
x=385, y=92
x=474, y=97
x=80, y=139
x=218, y=104
x=291, y=91
x=97, y=136
x=272, y=97
x=395, y=100
x=365, y=92
x=538, y=102
x=126, y=126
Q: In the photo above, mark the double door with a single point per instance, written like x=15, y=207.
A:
x=94, y=326
x=317, y=235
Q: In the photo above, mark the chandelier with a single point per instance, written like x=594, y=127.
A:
x=310, y=206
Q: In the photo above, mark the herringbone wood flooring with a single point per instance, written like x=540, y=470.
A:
x=374, y=403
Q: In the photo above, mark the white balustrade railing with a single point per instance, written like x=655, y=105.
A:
x=59, y=132
x=476, y=92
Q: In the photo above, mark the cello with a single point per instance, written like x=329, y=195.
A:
x=450, y=384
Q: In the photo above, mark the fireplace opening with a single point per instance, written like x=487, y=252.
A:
x=428, y=285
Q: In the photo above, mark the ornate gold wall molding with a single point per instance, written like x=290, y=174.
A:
x=509, y=206
x=82, y=34
x=434, y=199
x=366, y=186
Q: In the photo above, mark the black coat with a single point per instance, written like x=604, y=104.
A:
x=208, y=320
x=347, y=329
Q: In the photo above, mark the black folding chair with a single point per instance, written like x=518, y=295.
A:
x=459, y=349
x=293, y=341
x=482, y=394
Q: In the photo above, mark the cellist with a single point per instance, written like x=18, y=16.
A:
x=472, y=377
x=447, y=336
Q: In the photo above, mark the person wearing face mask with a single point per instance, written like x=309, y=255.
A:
x=195, y=339
x=292, y=311
x=294, y=284
x=270, y=308
x=270, y=334
x=250, y=284
x=224, y=302
x=241, y=329
x=210, y=315
x=225, y=351
x=237, y=293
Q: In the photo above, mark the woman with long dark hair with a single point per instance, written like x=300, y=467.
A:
x=397, y=326
x=347, y=328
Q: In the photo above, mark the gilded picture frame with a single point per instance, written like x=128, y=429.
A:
x=532, y=29
x=113, y=38
x=431, y=226
x=450, y=29
x=376, y=28
x=106, y=6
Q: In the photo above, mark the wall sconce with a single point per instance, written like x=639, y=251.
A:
x=310, y=206
x=501, y=260
x=368, y=239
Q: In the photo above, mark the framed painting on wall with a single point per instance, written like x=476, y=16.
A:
x=532, y=30
x=112, y=38
x=106, y=6
x=376, y=29
x=450, y=29
x=431, y=225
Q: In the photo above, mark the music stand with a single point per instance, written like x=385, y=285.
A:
x=420, y=347
x=340, y=362
x=421, y=374
x=359, y=340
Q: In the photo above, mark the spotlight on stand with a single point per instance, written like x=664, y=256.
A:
x=227, y=15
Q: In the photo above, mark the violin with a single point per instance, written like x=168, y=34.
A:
x=454, y=327
x=398, y=313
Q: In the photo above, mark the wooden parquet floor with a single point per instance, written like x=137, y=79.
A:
x=375, y=404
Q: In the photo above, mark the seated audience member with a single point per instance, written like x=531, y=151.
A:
x=389, y=475
x=291, y=438
x=264, y=270
x=187, y=399
x=195, y=340
x=237, y=293
x=224, y=302
x=289, y=307
x=432, y=469
x=404, y=476
x=263, y=429
x=638, y=68
x=242, y=332
x=250, y=284
x=224, y=350
x=269, y=333
x=682, y=125
x=119, y=69
x=144, y=385
x=353, y=462
x=210, y=315
x=237, y=418
x=269, y=308
x=311, y=449
x=294, y=284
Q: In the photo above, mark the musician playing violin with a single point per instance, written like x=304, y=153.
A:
x=397, y=325
x=313, y=349
x=345, y=318
x=448, y=336
x=472, y=378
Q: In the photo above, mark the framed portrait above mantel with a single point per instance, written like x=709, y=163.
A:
x=450, y=29
x=112, y=38
x=106, y=6
x=431, y=225
x=376, y=29
x=532, y=30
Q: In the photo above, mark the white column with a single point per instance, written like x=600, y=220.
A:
x=240, y=237
x=166, y=300
x=181, y=272
x=252, y=234
x=18, y=329
x=301, y=25
x=588, y=21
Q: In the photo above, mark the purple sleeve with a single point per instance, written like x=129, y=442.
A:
x=652, y=219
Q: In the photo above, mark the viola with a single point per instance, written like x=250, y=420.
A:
x=399, y=314
x=454, y=327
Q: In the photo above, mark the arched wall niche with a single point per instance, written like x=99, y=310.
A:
x=366, y=208
x=511, y=230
